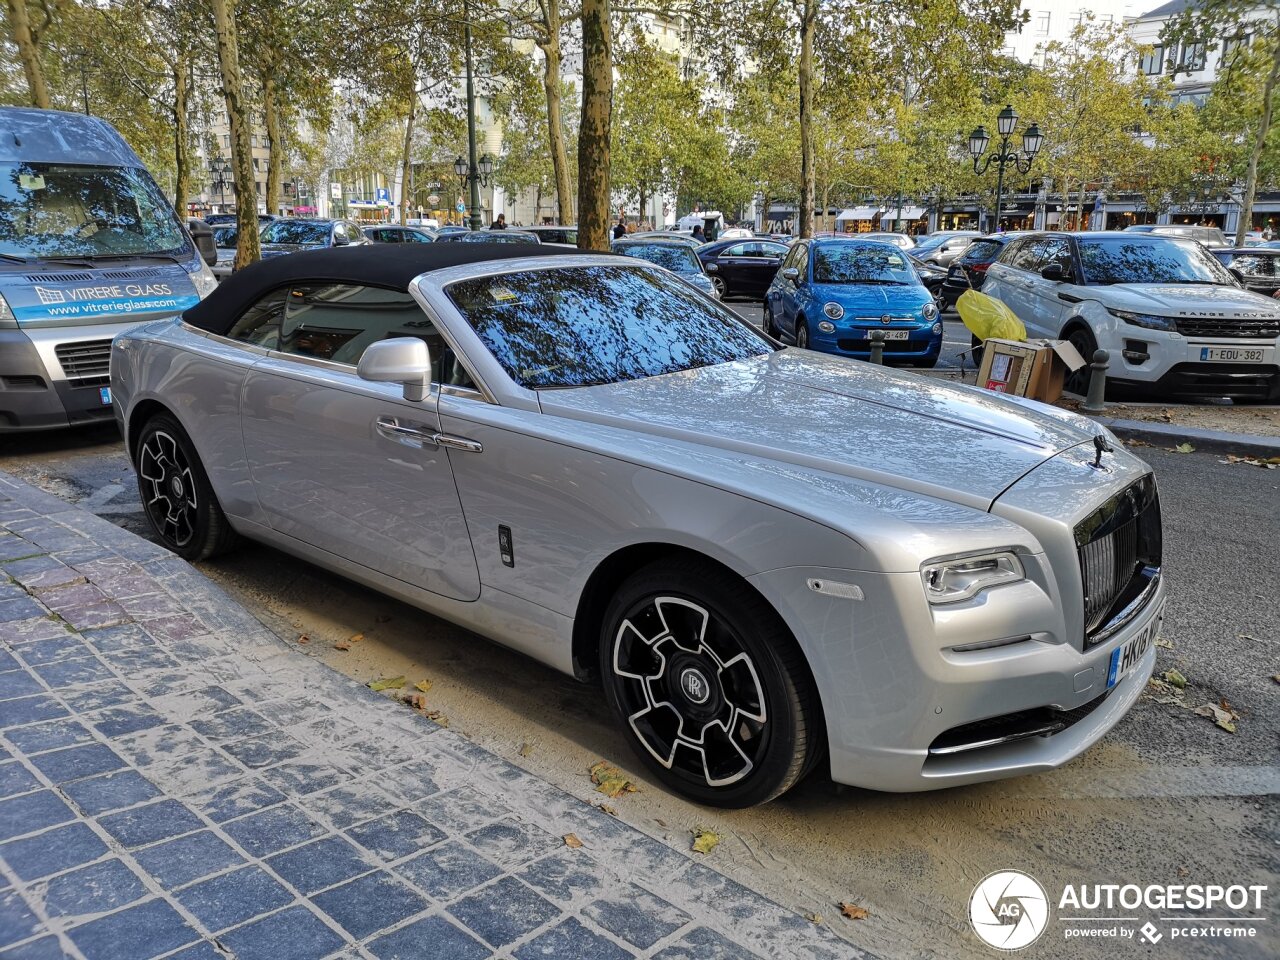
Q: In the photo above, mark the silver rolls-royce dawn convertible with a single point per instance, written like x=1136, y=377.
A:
x=767, y=558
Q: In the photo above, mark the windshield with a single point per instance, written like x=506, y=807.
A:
x=581, y=326
x=1144, y=258
x=499, y=236
x=308, y=232
x=861, y=263
x=69, y=210
x=226, y=236
x=677, y=259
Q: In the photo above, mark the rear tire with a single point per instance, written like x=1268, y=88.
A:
x=177, y=498
x=709, y=685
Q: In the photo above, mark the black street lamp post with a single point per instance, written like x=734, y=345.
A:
x=220, y=177
x=1006, y=122
x=474, y=174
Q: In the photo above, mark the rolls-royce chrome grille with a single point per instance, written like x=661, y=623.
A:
x=1119, y=545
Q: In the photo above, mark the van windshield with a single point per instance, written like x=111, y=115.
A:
x=70, y=210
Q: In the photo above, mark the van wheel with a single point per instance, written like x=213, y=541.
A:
x=177, y=498
x=711, y=689
x=1077, y=381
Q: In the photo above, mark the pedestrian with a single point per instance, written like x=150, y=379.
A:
x=1266, y=232
x=699, y=235
x=620, y=228
x=500, y=223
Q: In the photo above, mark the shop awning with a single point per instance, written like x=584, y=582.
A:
x=858, y=213
x=908, y=212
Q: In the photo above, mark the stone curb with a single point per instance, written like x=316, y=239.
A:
x=1221, y=441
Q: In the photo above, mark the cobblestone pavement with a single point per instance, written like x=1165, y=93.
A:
x=175, y=782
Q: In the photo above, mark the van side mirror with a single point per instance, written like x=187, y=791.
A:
x=202, y=237
x=405, y=360
x=1053, y=271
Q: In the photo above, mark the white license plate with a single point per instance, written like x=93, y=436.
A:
x=1129, y=654
x=104, y=394
x=1231, y=354
x=892, y=335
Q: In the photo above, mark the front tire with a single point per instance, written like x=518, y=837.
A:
x=802, y=333
x=177, y=498
x=709, y=685
x=721, y=288
x=1077, y=381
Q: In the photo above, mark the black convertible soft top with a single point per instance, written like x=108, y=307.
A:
x=380, y=264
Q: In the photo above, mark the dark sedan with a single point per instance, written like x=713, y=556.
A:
x=741, y=267
x=969, y=269
x=290, y=236
x=489, y=236
x=1258, y=266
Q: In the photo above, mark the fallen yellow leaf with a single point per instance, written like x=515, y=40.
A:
x=854, y=912
x=525, y=749
x=355, y=638
x=342, y=645
x=386, y=683
x=813, y=917
x=423, y=685
x=1184, y=448
x=571, y=840
x=610, y=781
x=704, y=841
x=438, y=717
x=303, y=638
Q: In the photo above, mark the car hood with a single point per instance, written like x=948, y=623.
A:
x=872, y=299
x=831, y=415
x=1185, y=300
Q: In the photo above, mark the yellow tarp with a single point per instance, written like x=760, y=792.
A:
x=986, y=317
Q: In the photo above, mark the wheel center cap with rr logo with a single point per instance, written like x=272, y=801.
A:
x=695, y=685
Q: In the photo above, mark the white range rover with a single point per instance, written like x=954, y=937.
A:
x=1173, y=318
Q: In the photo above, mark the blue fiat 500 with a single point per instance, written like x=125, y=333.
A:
x=831, y=292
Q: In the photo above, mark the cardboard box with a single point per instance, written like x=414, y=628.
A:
x=1029, y=368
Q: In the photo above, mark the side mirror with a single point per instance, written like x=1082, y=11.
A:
x=1054, y=272
x=712, y=268
x=340, y=240
x=202, y=237
x=791, y=273
x=403, y=360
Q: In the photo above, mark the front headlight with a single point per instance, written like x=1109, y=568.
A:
x=952, y=579
x=826, y=326
x=833, y=310
x=1147, y=320
x=203, y=280
x=930, y=311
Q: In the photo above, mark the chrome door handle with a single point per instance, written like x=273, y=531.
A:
x=412, y=436
x=459, y=443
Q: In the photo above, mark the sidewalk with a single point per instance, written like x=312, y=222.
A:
x=175, y=782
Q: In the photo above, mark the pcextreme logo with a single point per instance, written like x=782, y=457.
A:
x=1009, y=910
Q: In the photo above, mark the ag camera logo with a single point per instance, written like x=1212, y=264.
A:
x=1009, y=910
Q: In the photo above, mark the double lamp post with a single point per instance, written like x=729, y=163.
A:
x=1005, y=155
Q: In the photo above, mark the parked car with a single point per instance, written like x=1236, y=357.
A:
x=1209, y=236
x=221, y=219
x=489, y=236
x=429, y=223
x=1173, y=319
x=1259, y=267
x=912, y=584
x=969, y=270
x=901, y=240
x=942, y=247
x=562, y=236
x=226, y=239
x=741, y=267
x=450, y=230
x=673, y=255
x=832, y=292
x=292, y=235
x=393, y=233
x=684, y=236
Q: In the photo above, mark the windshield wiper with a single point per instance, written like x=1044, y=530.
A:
x=14, y=258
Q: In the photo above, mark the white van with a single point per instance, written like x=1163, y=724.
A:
x=1174, y=320
x=89, y=246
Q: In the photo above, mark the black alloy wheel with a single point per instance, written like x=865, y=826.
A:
x=711, y=689
x=177, y=498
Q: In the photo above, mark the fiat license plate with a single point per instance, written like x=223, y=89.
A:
x=1231, y=354
x=890, y=335
x=1129, y=654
